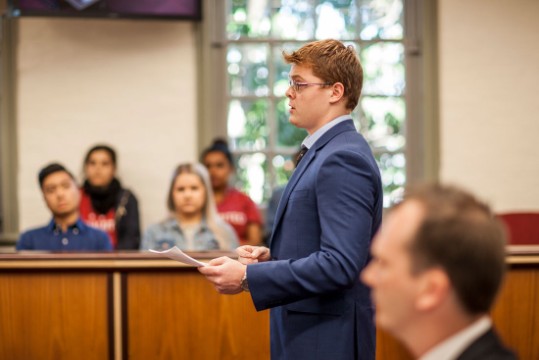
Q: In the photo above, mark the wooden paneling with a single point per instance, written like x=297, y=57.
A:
x=180, y=315
x=53, y=316
x=55, y=306
x=387, y=348
x=516, y=313
x=515, y=316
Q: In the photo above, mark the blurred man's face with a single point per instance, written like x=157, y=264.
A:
x=61, y=194
x=394, y=288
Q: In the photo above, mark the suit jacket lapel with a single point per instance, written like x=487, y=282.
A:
x=304, y=164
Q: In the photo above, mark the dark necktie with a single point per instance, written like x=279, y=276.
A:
x=301, y=153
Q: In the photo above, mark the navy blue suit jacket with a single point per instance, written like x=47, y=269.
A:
x=327, y=216
x=487, y=346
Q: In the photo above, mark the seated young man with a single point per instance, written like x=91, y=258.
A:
x=66, y=231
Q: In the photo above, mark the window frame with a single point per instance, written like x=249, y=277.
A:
x=9, y=227
x=421, y=96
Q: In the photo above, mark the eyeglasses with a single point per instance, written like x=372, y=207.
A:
x=297, y=86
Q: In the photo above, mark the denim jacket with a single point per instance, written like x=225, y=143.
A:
x=168, y=233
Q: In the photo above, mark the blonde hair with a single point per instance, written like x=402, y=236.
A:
x=209, y=210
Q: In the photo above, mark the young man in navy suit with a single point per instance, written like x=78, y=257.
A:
x=438, y=262
x=327, y=216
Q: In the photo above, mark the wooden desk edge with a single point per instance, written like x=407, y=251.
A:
x=153, y=264
x=125, y=260
x=91, y=264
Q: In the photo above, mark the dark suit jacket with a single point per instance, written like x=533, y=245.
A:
x=127, y=221
x=327, y=216
x=488, y=347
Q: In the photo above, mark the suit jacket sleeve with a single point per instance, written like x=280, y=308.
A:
x=343, y=197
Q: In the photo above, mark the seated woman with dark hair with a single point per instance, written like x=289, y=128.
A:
x=234, y=206
x=194, y=223
x=105, y=204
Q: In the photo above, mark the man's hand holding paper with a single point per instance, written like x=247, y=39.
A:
x=225, y=274
x=175, y=253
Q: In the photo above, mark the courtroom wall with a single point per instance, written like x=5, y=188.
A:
x=133, y=84
x=489, y=111
x=128, y=83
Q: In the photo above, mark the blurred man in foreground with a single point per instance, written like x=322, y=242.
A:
x=438, y=262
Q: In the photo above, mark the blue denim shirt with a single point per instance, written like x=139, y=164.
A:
x=78, y=237
x=167, y=234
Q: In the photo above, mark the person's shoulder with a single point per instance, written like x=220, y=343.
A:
x=346, y=166
x=348, y=153
x=31, y=232
x=28, y=238
x=237, y=194
x=98, y=233
x=101, y=238
x=128, y=192
x=154, y=227
x=349, y=139
x=230, y=233
x=35, y=230
x=90, y=230
x=126, y=195
x=224, y=225
x=164, y=225
x=487, y=346
x=350, y=146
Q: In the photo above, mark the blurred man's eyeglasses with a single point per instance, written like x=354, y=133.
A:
x=297, y=86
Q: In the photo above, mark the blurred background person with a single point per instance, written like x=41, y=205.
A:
x=438, y=263
x=105, y=204
x=66, y=231
x=234, y=206
x=194, y=223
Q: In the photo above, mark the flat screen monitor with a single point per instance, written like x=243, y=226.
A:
x=159, y=9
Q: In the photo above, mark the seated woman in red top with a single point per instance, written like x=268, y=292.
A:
x=235, y=207
x=105, y=204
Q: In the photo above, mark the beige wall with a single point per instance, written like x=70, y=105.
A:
x=131, y=84
x=489, y=99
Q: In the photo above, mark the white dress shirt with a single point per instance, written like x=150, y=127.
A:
x=453, y=346
x=311, y=139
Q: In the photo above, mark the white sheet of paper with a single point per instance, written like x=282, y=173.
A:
x=176, y=254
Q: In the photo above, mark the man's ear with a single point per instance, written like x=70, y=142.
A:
x=337, y=92
x=434, y=289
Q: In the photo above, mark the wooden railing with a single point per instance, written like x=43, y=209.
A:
x=141, y=306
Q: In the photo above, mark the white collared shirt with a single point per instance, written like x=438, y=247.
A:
x=453, y=346
x=311, y=139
